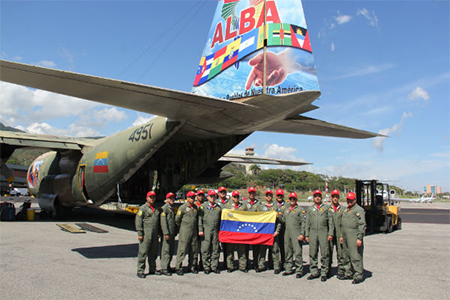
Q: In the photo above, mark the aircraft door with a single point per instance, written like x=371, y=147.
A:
x=81, y=180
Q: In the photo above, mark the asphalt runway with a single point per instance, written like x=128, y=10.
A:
x=41, y=261
x=423, y=215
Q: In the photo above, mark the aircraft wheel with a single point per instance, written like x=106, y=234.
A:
x=60, y=212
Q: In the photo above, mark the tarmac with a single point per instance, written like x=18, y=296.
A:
x=41, y=261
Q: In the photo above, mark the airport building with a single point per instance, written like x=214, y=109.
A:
x=432, y=189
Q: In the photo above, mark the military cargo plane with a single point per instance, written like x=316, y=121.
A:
x=256, y=73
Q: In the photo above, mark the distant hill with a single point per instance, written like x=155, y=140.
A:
x=22, y=157
x=8, y=128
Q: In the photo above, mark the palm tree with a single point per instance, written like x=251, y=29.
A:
x=255, y=169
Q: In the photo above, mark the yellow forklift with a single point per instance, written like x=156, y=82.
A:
x=381, y=213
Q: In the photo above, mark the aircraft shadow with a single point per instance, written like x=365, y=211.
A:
x=115, y=251
x=82, y=214
x=112, y=251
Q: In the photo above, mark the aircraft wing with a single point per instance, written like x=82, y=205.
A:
x=402, y=199
x=248, y=115
x=245, y=159
x=309, y=126
x=153, y=100
x=21, y=139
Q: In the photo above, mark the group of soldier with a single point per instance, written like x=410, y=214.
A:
x=323, y=226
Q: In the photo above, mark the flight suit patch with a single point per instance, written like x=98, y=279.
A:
x=140, y=213
x=179, y=212
x=163, y=214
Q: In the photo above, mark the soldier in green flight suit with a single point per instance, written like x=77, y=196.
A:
x=336, y=212
x=252, y=204
x=187, y=221
x=319, y=231
x=147, y=226
x=274, y=253
x=199, y=200
x=208, y=230
x=278, y=243
x=223, y=202
x=294, y=219
x=241, y=248
x=169, y=230
x=353, y=226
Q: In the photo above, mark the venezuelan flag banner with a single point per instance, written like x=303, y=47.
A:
x=245, y=227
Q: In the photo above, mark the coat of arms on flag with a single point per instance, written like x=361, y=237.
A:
x=245, y=227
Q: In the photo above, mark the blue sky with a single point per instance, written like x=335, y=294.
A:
x=383, y=66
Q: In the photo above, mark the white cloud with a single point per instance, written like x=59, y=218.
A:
x=72, y=130
x=396, y=129
x=141, y=120
x=46, y=63
x=38, y=105
x=333, y=47
x=272, y=151
x=237, y=152
x=367, y=70
x=68, y=55
x=441, y=154
x=110, y=114
x=401, y=170
x=370, y=16
x=342, y=19
x=418, y=94
x=36, y=111
x=280, y=152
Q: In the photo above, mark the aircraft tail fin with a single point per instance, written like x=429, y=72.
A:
x=256, y=47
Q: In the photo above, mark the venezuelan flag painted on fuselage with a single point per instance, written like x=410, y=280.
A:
x=101, y=162
x=244, y=227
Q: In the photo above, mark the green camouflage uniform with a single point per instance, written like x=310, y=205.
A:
x=209, y=224
x=223, y=246
x=353, y=225
x=199, y=242
x=319, y=225
x=258, y=259
x=241, y=248
x=278, y=242
x=187, y=220
x=294, y=220
x=337, y=217
x=147, y=225
x=274, y=251
x=169, y=228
